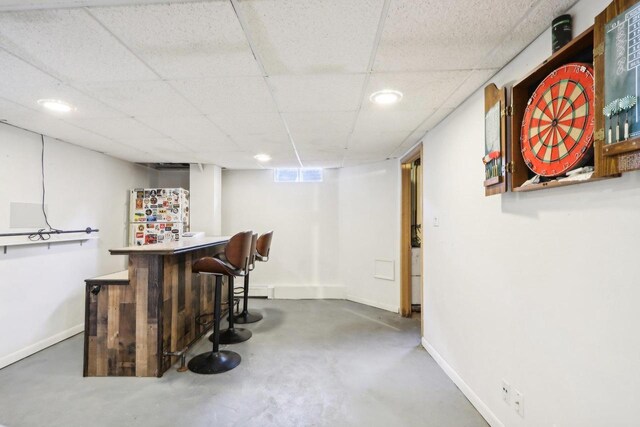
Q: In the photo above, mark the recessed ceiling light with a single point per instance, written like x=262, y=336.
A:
x=56, y=105
x=386, y=97
x=262, y=157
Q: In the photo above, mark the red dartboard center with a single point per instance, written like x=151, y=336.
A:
x=557, y=129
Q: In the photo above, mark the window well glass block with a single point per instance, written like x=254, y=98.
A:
x=311, y=175
x=286, y=175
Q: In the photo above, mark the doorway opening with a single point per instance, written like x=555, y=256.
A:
x=411, y=281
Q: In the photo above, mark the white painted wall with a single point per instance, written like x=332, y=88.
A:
x=369, y=207
x=541, y=288
x=42, y=290
x=205, y=188
x=326, y=235
x=304, y=218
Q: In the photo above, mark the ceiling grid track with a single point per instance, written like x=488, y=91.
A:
x=372, y=59
x=265, y=75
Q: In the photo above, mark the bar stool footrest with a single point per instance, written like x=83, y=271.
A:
x=206, y=324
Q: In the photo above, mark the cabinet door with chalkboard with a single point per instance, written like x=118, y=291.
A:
x=495, y=137
x=617, y=63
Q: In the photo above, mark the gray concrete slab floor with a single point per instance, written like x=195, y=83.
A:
x=309, y=363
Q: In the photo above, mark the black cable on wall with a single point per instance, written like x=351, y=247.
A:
x=45, y=233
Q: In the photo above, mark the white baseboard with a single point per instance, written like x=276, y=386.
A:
x=261, y=291
x=309, y=292
x=388, y=307
x=484, y=410
x=40, y=345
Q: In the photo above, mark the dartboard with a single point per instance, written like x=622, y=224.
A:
x=557, y=129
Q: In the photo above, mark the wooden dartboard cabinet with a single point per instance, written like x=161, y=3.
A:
x=609, y=160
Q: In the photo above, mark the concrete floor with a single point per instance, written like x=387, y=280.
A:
x=309, y=363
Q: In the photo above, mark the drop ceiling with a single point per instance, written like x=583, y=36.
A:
x=220, y=81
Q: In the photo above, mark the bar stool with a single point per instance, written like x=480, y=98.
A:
x=235, y=263
x=245, y=316
x=263, y=246
x=260, y=252
x=233, y=335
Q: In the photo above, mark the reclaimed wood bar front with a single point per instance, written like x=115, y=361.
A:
x=133, y=318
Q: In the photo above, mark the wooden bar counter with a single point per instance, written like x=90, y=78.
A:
x=134, y=317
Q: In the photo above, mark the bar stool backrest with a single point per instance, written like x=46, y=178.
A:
x=252, y=255
x=263, y=246
x=238, y=250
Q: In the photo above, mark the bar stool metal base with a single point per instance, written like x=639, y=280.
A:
x=214, y=362
x=233, y=336
x=247, y=317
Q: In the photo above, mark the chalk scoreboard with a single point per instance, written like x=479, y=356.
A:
x=622, y=60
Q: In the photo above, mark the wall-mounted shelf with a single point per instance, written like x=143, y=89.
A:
x=24, y=240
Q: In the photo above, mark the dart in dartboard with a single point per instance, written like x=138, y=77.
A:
x=557, y=129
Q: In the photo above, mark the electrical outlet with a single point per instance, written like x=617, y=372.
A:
x=436, y=221
x=518, y=402
x=506, y=392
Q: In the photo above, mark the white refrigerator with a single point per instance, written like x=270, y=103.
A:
x=158, y=215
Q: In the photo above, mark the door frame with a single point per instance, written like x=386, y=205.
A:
x=405, y=232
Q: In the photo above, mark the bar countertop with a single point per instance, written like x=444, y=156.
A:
x=186, y=244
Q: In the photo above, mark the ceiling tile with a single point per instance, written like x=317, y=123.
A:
x=376, y=142
x=433, y=120
x=250, y=124
x=325, y=164
x=116, y=128
x=269, y=144
x=313, y=37
x=184, y=127
x=6, y=5
x=426, y=90
x=148, y=98
x=51, y=126
x=390, y=121
x=150, y=145
x=132, y=154
x=227, y=94
x=538, y=19
x=320, y=122
x=321, y=92
x=208, y=144
x=321, y=140
x=237, y=160
x=451, y=35
x=474, y=81
x=282, y=160
x=70, y=44
x=25, y=84
x=354, y=159
x=309, y=155
x=202, y=39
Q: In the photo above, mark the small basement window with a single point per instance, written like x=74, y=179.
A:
x=297, y=175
